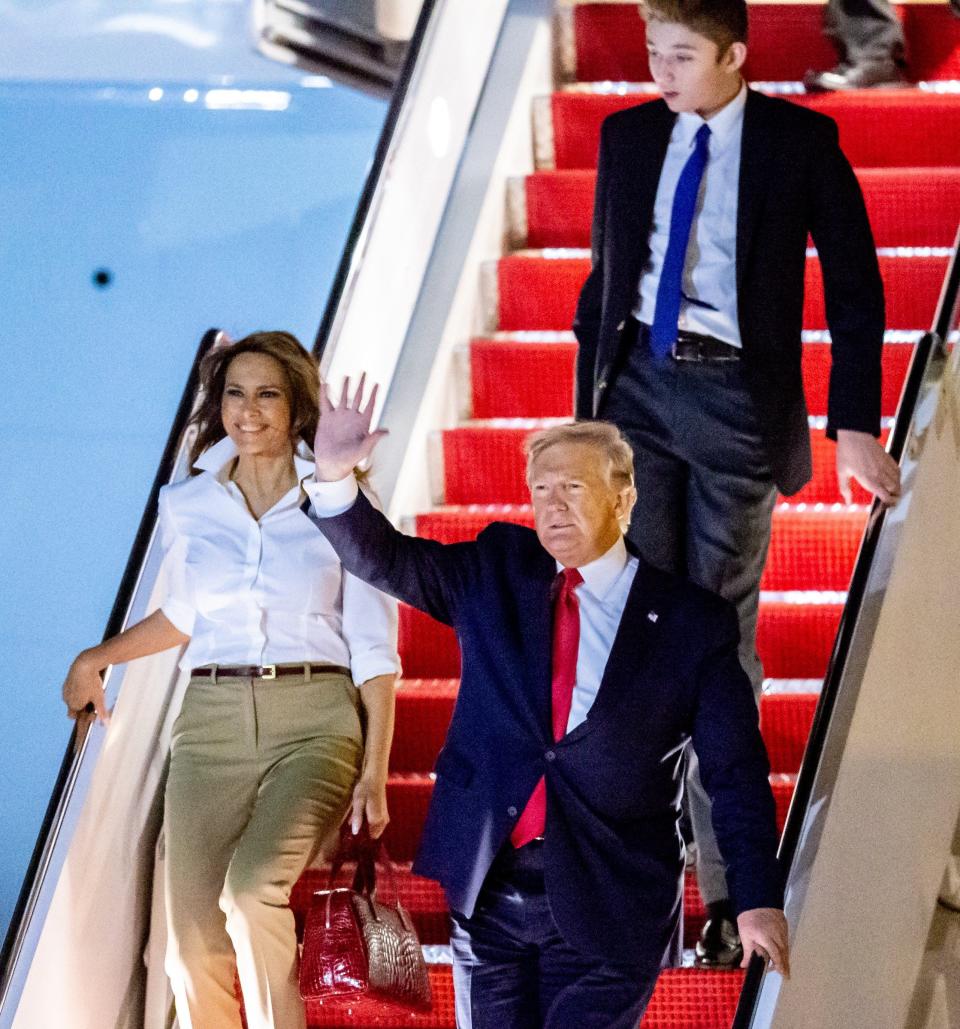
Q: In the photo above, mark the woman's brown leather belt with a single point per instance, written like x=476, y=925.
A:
x=215, y=672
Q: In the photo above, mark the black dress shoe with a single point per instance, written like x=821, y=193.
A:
x=866, y=75
x=719, y=944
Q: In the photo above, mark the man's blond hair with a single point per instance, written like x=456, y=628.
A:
x=603, y=436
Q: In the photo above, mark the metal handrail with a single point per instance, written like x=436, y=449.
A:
x=69, y=768
x=929, y=345
x=358, y=227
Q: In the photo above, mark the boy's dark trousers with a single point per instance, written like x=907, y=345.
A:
x=705, y=500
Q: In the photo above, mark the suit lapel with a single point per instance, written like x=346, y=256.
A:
x=637, y=630
x=754, y=165
x=536, y=607
x=639, y=170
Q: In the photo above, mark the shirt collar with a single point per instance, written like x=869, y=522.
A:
x=217, y=459
x=600, y=575
x=722, y=125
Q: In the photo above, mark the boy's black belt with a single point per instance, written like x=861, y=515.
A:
x=691, y=346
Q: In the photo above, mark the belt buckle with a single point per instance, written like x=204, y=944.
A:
x=694, y=357
x=268, y=672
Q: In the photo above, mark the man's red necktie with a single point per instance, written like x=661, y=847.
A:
x=566, y=642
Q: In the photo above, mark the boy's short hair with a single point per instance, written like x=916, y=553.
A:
x=721, y=21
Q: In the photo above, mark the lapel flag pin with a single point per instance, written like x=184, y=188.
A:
x=652, y=615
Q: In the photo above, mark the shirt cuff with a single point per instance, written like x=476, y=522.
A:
x=181, y=616
x=369, y=666
x=331, y=498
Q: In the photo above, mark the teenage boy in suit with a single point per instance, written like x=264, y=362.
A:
x=585, y=673
x=689, y=327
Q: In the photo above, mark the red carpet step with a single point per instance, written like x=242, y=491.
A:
x=539, y=291
x=532, y=379
x=878, y=128
x=811, y=549
x=685, y=998
x=610, y=42
x=794, y=638
x=484, y=464
x=785, y=720
x=425, y=706
x=425, y=901
x=560, y=205
x=408, y=795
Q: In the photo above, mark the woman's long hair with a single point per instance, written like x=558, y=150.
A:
x=300, y=371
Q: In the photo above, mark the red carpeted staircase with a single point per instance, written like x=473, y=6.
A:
x=905, y=145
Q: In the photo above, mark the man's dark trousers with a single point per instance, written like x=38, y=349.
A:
x=514, y=970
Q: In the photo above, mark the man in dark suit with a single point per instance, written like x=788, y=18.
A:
x=585, y=673
x=689, y=327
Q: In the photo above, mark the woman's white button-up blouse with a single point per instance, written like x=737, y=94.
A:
x=259, y=593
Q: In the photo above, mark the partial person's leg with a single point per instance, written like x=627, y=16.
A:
x=210, y=792
x=642, y=406
x=730, y=504
x=309, y=751
x=589, y=993
x=865, y=31
x=870, y=43
x=495, y=950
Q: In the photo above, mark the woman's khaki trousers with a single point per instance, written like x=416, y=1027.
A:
x=260, y=771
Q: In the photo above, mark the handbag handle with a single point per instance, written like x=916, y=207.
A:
x=366, y=851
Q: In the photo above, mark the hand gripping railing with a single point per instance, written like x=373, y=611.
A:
x=932, y=345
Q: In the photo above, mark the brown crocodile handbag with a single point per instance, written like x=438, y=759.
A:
x=354, y=944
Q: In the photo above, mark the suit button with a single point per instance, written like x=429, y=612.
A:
x=621, y=325
x=550, y=755
x=512, y=811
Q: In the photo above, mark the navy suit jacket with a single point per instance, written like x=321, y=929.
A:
x=613, y=855
x=794, y=181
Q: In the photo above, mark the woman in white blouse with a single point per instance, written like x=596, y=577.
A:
x=267, y=753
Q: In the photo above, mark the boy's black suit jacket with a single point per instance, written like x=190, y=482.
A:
x=794, y=181
x=613, y=856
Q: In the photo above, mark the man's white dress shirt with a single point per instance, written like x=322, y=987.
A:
x=602, y=596
x=268, y=591
x=710, y=269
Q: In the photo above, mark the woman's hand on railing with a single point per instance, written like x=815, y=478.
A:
x=84, y=687
x=344, y=439
x=83, y=690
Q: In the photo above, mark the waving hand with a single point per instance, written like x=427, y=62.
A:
x=343, y=437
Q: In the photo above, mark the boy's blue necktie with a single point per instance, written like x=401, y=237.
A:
x=663, y=332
